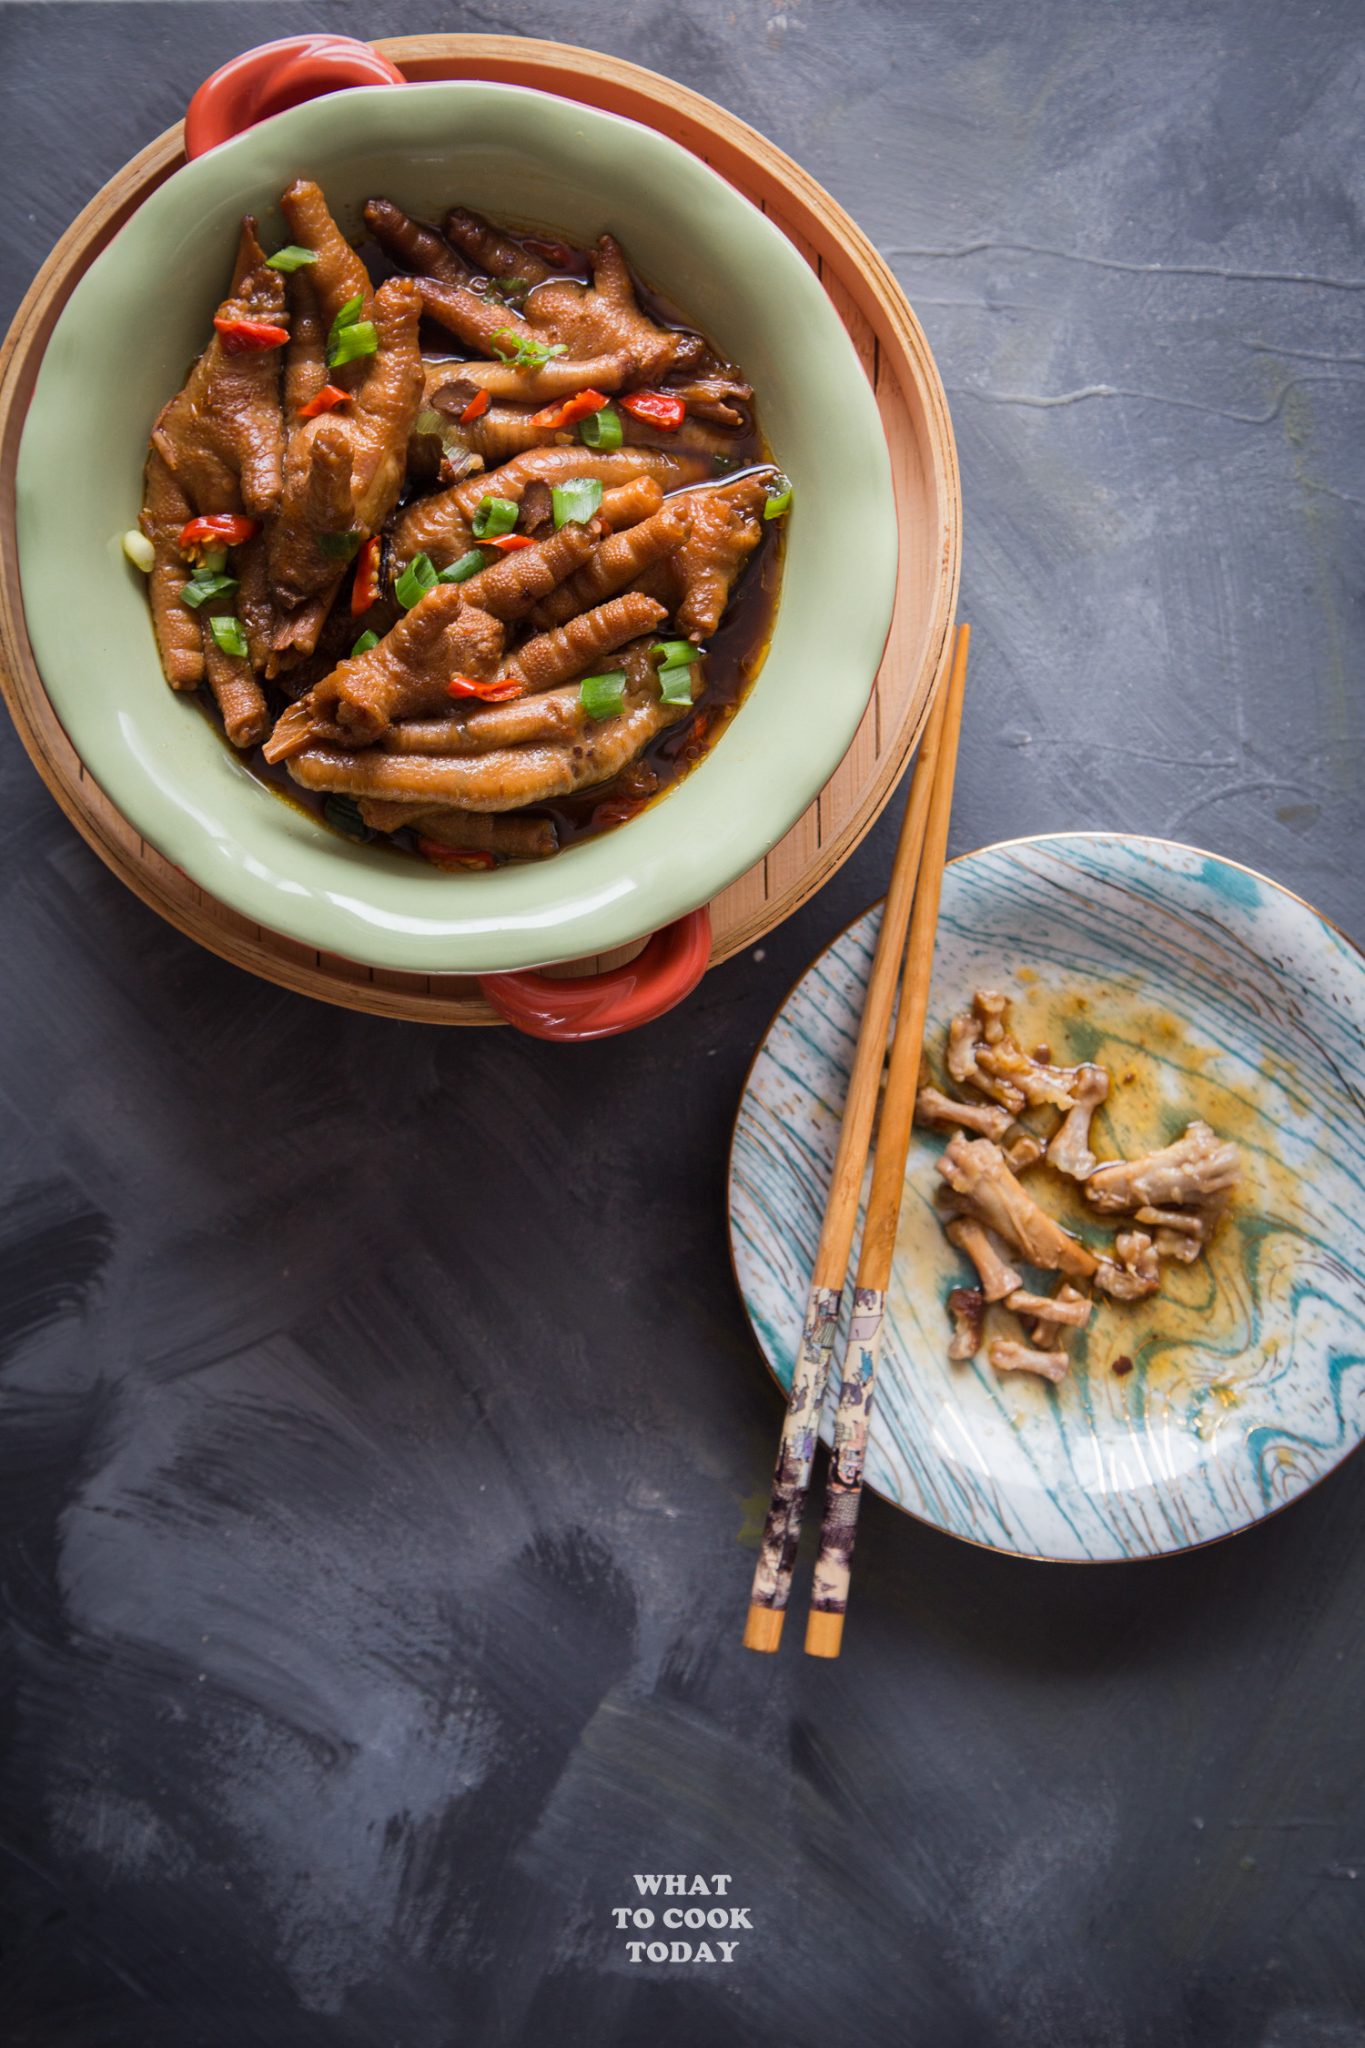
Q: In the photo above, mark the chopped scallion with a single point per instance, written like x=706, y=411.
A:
x=779, y=498
x=229, y=636
x=347, y=316
x=202, y=587
x=364, y=644
x=339, y=547
x=675, y=683
x=674, y=653
x=576, y=501
x=291, y=257
x=602, y=696
x=139, y=550
x=416, y=580
x=601, y=429
x=494, y=516
x=429, y=421
x=467, y=566
x=526, y=353
x=213, y=561
x=359, y=339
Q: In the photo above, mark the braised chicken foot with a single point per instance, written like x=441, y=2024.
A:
x=221, y=436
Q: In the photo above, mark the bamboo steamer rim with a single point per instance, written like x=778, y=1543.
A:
x=914, y=409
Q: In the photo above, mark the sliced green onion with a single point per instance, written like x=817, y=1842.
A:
x=674, y=653
x=601, y=429
x=343, y=812
x=347, y=316
x=364, y=644
x=339, y=547
x=201, y=587
x=675, y=684
x=576, y=501
x=213, y=561
x=359, y=339
x=139, y=550
x=416, y=580
x=779, y=498
x=292, y=257
x=600, y=696
x=429, y=421
x=494, y=516
x=526, y=353
x=467, y=566
x=229, y=636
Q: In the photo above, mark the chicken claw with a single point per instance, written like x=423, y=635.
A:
x=222, y=436
x=179, y=641
x=343, y=471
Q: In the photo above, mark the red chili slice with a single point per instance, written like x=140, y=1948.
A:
x=656, y=408
x=246, y=337
x=576, y=408
x=365, y=588
x=496, y=690
x=218, y=529
x=330, y=395
x=476, y=408
x=453, y=856
x=508, y=543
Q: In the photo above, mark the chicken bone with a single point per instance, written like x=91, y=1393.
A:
x=967, y=1307
x=1007, y=1356
x=1134, y=1271
x=975, y=1169
x=1195, y=1168
x=941, y=1112
x=1069, y=1150
x=969, y=1236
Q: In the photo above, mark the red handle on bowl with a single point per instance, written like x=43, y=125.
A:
x=274, y=76
x=601, y=1005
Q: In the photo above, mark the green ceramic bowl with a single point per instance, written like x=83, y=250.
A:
x=120, y=349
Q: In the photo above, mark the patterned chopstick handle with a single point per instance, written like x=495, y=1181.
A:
x=791, y=1479
x=849, y=1455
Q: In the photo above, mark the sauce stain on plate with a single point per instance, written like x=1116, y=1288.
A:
x=1191, y=1414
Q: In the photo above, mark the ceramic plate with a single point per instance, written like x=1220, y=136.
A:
x=1207, y=991
x=108, y=369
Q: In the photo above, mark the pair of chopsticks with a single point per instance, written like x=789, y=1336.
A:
x=911, y=903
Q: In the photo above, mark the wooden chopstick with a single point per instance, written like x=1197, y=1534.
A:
x=800, y=1428
x=829, y=1600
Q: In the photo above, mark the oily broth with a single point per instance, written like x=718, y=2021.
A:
x=734, y=653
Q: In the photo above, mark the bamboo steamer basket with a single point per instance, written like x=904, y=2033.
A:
x=914, y=413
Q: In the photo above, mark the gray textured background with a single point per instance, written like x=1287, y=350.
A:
x=382, y=1438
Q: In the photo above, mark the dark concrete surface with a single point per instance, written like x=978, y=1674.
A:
x=382, y=1439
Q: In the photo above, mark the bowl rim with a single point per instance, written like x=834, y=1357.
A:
x=475, y=938
x=1023, y=839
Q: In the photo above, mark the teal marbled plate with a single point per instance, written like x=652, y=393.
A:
x=1207, y=991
